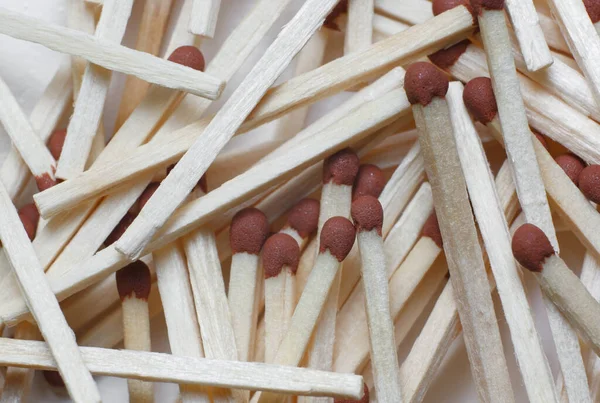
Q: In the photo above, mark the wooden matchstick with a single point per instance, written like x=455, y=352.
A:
x=110, y=56
x=412, y=12
x=18, y=381
x=249, y=230
x=426, y=86
x=203, y=19
x=553, y=36
x=359, y=27
x=367, y=214
x=91, y=98
x=134, y=283
x=384, y=27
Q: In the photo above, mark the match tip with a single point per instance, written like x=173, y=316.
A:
x=56, y=142
x=147, y=194
x=341, y=168
x=431, y=229
x=119, y=229
x=446, y=58
x=589, y=182
x=337, y=236
x=424, y=82
x=572, y=165
x=441, y=6
x=54, y=379
x=248, y=232
x=280, y=250
x=304, y=217
x=365, y=398
x=189, y=56
x=370, y=181
x=479, y=99
x=593, y=9
x=339, y=9
x=44, y=182
x=30, y=211
x=134, y=280
x=530, y=246
x=29, y=226
x=367, y=214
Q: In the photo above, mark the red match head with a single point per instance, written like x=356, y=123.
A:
x=530, y=246
x=30, y=211
x=337, y=236
x=367, y=214
x=248, y=232
x=56, y=142
x=593, y=9
x=423, y=82
x=480, y=100
x=189, y=56
x=29, y=226
x=280, y=250
x=446, y=58
x=119, y=229
x=365, y=398
x=341, y=168
x=589, y=182
x=431, y=229
x=369, y=181
x=134, y=280
x=304, y=217
x=572, y=165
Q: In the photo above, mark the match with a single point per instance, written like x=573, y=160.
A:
x=203, y=18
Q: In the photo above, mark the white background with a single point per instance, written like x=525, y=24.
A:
x=27, y=68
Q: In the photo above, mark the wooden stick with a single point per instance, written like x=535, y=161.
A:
x=90, y=102
x=589, y=278
x=110, y=56
x=43, y=304
x=18, y=381
x=412, y=12
x=552, y=33
x=384, y=27
x=359, y=28
x=203, y=20
x=494, y=229
x=443, y=170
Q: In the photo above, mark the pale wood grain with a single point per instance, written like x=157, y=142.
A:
x=203, y=19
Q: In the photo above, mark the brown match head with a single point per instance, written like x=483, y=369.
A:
x=339, y=9
x=147, y=194
x=249, y=231
x=370, y=181
x=423, y=82
x=479, y=99
x=337, y=236
x=446, y=58
x=304, y=217
x=29, y=226
x=367, y=214
x=134, y=280
x=589, y=182
x=54, y=379
x=431, y=229
x=572, y=165
x=119, y=229
x=593, y=9
x=479, y=5
x=280, y=250
x=530, y=246
x=56, y=142
x=30, y=211
x=441, y=6
x=189, y=56
x=365, y=398
x=341, y=168
x=44, y=182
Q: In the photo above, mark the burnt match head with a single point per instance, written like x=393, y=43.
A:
x=441, y=6
x=134, y=280
x=530, y=246
x=248, y=232
x=337, y=236
x=589, y=182
x=446, y=58
x=367, y=214
x=304, y=217
x=147, y=194
x=30, y=211
x=572, y=165
x=280, y=250
x=189, y=56
x=29, y=226
x=119, y=229
x=341, y=168
x=365, y=398
x=593, y=9
x=424, y=82
x=56, y=142
x=369, y=181
x=431, y=229
x=479, y=99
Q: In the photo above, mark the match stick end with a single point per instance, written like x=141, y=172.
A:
x=572, y=165
x=479, y=99
x=189, y=56
x=593, y=9
x=341, y=168
x=56, y=142
x=431, y=229
x=367, y=214
x=249, y=231
x=530, y=246
x=304, y=217
x=369, y=181
x=280, y=250
x=365, y=398
x=134, y=280
x=424, y=82
x=589, y=182
x=337, y=236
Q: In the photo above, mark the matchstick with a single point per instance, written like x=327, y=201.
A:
x=203, y=19
x=133, y=284
x=367, y=214
x=249, y=230
x=384, y=27
x=359, y=27
x=533, y=250
x=303, y=221
x=43, y=304
x=159, y=367
x=589, y=278
x=532, y=361
x=91, y=98
x=280, y=261
x=110, y=56
x=18, y=381
x=220, y=130
x=426, y=86
x=412, y=12
x=554, y=37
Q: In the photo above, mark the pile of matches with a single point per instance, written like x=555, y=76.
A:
x=291, y=266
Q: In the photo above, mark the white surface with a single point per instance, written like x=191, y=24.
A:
x=28, y=68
